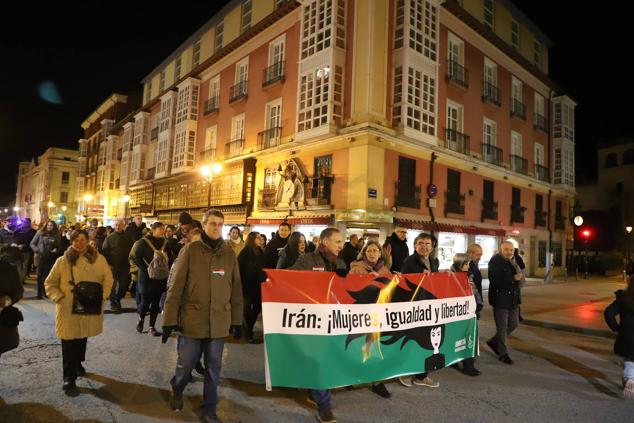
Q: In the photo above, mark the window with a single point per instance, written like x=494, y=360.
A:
x=63, y=197
x=273, y=114
x=556, y=246
x=489, y=249
x=242, y=71
x=516, y=86
x=275, y=70
x=455, y=52
x=211, y=134
x=490, y=72
x=539, y=154
x=398, y=96
x=537, y=53
x=611, y=160
x=148, y=92
x=628, y=157
x=539, y=202
x=313, y=104
x=422, y=19
x=184, y=147
x=177, y=69
x=162, y=81
x=65, y=177
x=515, y=34
x=454, y=116
x=488, y=191
x=220, y=29
x=237, y=127
x=246, y=15
x=406, y=184
x=516, y=197
x=399, y=24
x=196, y=54
x=317, y=26
x=489, y=136
x=421, y=101
x=453, y=182
x=488, y=13
x=516, y=144
x=166, y=114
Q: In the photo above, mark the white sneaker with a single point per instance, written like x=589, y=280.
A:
x=405, y=381
x=429, y=382
x=628, y=391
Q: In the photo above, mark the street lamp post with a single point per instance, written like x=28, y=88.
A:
x=578, y=222
x=586, y=237
x=126, y=200
x=16, y=209
x=87, y=198
x=208, y=173
x=50, y=205
x=628, y=229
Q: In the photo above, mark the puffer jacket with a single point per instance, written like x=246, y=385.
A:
x=58, y=289
x=623, y=306
x=204, y=293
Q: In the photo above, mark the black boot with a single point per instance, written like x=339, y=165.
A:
x=139, y=325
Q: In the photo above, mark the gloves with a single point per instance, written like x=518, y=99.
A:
x=342, y=272
x=167, y=331
x=236, y=330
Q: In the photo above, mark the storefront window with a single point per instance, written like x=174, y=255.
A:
x=448, y=245
x=489, y=246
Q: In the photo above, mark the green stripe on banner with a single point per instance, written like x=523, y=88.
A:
x=322, y=362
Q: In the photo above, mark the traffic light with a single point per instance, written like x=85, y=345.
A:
x=586, y=234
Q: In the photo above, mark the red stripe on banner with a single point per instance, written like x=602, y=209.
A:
x=305, y=287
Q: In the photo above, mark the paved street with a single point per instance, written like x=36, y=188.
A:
x=558, y=376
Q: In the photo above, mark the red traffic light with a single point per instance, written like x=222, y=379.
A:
x=586, y=233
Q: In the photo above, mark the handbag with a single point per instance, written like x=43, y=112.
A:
x=87, y=296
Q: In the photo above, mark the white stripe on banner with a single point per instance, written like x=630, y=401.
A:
x=344, y=319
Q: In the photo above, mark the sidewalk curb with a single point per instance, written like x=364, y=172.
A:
x=568, y=328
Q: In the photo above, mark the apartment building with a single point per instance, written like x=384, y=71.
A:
x=438, y=116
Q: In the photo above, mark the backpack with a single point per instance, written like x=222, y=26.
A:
x=158, y=268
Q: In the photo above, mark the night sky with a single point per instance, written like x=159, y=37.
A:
x=61, y=60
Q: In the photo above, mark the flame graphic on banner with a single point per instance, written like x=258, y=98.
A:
x=385, y=296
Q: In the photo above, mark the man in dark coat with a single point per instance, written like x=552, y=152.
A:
x=135, y=228
x=273, y=248
x=398, y=244
x=324, y=259
x=421, y=261
x=504, y=296
x=116, y=248
x=474, y=253
x=351, y=250
x=22, y=238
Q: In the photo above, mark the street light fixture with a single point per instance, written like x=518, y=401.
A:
x=125, y=199
x=578, y=221
x=64, y=208
x=208, y=172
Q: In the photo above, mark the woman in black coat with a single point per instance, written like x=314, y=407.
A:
x=623, y=306
x=150, y=289
x=251, y=263
x=295, y=247
x=11, y=291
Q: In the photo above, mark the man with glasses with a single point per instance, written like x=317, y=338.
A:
x=398, y=246
x=420, y=262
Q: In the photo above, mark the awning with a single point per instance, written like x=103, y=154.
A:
x=445, y=227
x=293, y=220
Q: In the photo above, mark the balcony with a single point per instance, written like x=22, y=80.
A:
x=212, y=105
x=540, y=218
x=150, y=173
x=517, y=213
x=518, y=109
x=492, y=154
x=560, y=223
x=489, y=210
x=267, y=198
x=238, y=91
x=233, y=148
x=540, y=123
x=519, y=164
x=154, y=133
x=457, y=73
x=454, y=203
x=490, y=93
x=319, y=190
x=269, y=138
x=542, y=173
x=407, y=195
x=207, y=156
x=273, y=73
x=456, y=141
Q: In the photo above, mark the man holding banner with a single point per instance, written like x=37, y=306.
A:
x=421, y=261
x=324, y=259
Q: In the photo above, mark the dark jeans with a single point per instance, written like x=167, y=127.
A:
x=25, y=265
x=321, y=397
x=505, y=322
x=73, y=353
x=252, y=308
x=150, y=302
x=120, y=287
x=43, y=269
x=189, y=352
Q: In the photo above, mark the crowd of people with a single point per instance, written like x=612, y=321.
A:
x=208, y=288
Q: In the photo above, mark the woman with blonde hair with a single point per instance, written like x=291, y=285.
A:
x=74, y=283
